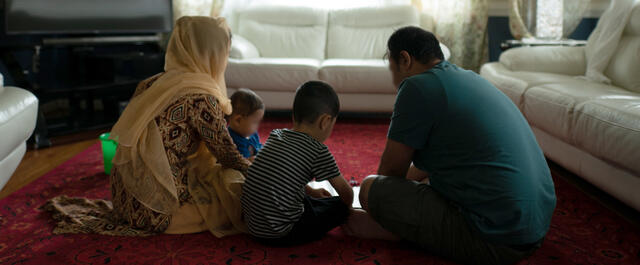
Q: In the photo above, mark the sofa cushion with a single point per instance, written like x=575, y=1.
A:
x=550, y=107
x=362, y=33
x=515, y=83
x=624, y=67
x=273, y=74
x=609, y=128
x=357, y=76
x=548, y=59
x=18, y=112
x=285, y=32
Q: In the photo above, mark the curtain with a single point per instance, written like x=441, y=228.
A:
x=196, y=8
x=192, y=8
x=459, y=24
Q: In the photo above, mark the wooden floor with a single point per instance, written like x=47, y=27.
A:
x=38, y=162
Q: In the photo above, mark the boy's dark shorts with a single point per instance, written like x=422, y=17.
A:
x=415, y=212
x=320, y=216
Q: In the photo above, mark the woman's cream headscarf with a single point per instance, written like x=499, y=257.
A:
x=195, y=63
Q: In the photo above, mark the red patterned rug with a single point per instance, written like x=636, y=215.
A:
x=582, y=231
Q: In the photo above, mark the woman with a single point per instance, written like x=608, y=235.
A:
x=176, y=169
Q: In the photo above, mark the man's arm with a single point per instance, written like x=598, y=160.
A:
x=396, y=159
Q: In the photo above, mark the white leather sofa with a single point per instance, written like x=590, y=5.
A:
x=18, y=112
x=277, y=48
x=589, y=128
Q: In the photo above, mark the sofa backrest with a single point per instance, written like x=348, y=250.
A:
x=285, y=32
x=624, y=67
x=362, y=33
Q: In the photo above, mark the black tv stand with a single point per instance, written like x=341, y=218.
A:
x=102, y=40
x=91, y=76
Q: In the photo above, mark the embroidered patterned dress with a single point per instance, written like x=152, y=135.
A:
x=185, y=124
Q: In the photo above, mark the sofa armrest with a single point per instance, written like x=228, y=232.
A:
x=242, y=48
x=549, y=59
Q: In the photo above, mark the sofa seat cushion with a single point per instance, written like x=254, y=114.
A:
x=514, y=84
x=550, y=107
x=18, y=112
x=609, y=128
x=357, y=76
x=272, y=74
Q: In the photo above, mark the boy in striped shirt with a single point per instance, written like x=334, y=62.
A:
x=278, y=205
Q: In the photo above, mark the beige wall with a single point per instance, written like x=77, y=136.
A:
x=501, y=7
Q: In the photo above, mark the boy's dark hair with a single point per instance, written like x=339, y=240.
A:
x=245, y=102
x=313, y=99
x=419, y=43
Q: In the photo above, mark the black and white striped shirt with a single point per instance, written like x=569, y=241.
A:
x=273, y=193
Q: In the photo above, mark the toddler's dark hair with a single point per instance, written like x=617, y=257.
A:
x=313, y=99
x=245, y=102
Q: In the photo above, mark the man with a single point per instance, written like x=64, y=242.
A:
x=490, y=197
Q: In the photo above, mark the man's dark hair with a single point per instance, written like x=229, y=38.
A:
x=245, y=102
x=419, y=43
x=313, y=99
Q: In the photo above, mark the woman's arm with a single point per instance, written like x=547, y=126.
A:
x=208, y=120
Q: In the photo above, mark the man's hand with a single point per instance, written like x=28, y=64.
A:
x=417, y=174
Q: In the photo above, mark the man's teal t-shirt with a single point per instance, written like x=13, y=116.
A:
x=479, y=151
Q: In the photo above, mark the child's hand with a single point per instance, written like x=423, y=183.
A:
x=319, y=193
x=251, y=159
x=343, y=188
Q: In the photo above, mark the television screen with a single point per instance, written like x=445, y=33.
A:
x=87, y=16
